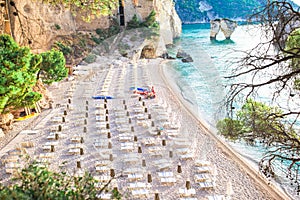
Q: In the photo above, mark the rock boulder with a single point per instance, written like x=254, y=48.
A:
x=185, y=56
x=227, y=27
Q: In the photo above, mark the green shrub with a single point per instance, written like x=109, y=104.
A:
x=96, y=40
x=134, y=22
x=123, y=47
x=57, y=27
x=38, y=182
x=150, y=19
x=90, y=58
x=65, y=49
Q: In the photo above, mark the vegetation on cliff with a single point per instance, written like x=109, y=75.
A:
x=271, y=66
x=87, y=9
x=149, y=22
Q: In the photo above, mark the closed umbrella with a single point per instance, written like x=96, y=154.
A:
x=229, y=190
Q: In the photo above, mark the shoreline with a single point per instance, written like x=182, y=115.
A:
x=276, y=191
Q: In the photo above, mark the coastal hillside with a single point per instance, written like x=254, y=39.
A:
x=195, y=11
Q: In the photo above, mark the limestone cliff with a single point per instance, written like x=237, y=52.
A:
x=39, y=25
x=169, y=21
x=225, y=25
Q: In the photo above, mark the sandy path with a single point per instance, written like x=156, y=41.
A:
x=115, y=77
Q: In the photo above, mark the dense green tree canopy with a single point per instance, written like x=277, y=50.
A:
x=52, y=67
x=86, y=8
x=19, y=71
x=19, y=68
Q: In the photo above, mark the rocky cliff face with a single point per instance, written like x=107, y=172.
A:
x=169, y=21
x=39, y=25
x=166, y=15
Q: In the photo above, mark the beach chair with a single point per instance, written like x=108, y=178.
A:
x=206, y=185
x=184, y=192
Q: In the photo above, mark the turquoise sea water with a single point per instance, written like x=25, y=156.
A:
x=204, y=78
x=202, y=82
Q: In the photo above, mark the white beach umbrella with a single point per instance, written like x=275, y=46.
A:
x=229, y=190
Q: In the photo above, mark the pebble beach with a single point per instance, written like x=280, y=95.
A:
x=149, y=147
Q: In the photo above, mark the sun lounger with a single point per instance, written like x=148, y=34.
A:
x=51, y=137
x=73, y=151
x=102, y=131
x=99, y=106
x=182, y=150
x=120, y=114
x=76, y=139
x=102, y=163
x=101, y=125
x=135, y=176
x=165, y=174
x=164, y=166
x=132, y=170
x=121, y=121
x=124, y=129
x=137, y=185
x=207, y=185
x=103, y=144
x=100, y=118
x=203, y=169
x=202, y=177
x=102, y=169
x=187, y=156
x=46, y=147
x=140, y=116
x=131, y=160
x=184, y=192
x=189, y=198
x=182, y=144
x=138, y=110
x=148, y=141
x=154, y=149
x=125, y=137
x=100, y=112
x=171, y=132
x=200, y=163
x=168, y=180
x=127, y=146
